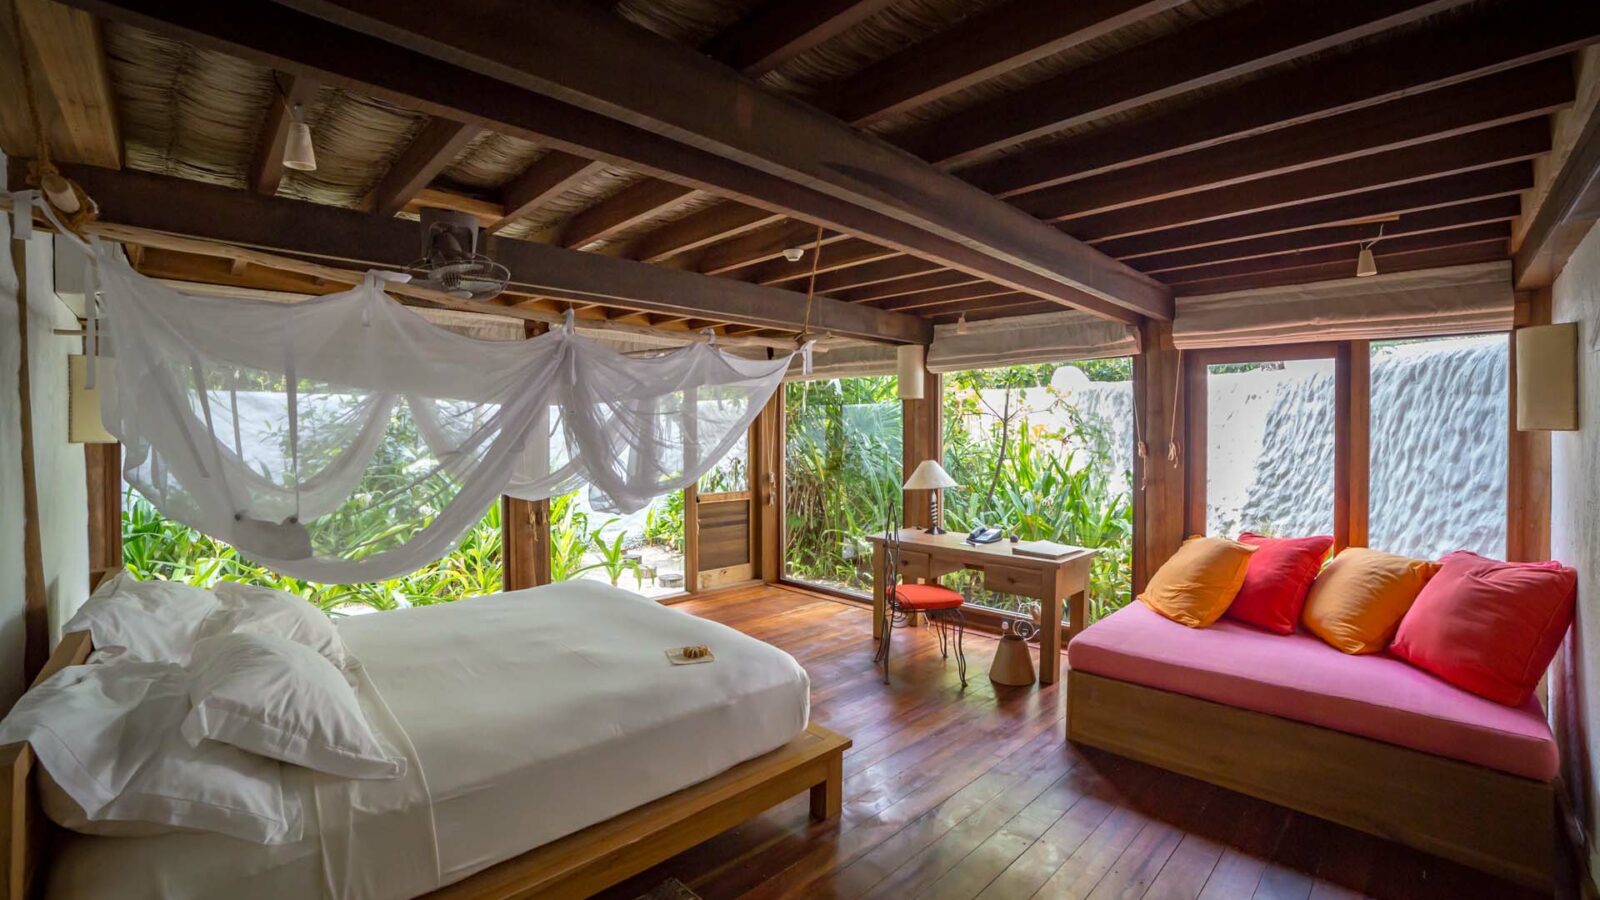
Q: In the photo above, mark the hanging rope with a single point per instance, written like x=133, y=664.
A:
x=1174, y=449
x=803, y=341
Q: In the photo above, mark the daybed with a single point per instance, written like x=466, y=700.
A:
x=549, y=718
x=1367, y=741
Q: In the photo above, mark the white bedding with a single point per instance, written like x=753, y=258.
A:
x=528, y=716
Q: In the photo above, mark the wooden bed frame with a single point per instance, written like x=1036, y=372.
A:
x=575, y=866
x=1487, y=819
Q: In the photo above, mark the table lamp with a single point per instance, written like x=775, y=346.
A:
x=930, y=476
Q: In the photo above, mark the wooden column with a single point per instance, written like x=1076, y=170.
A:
x=1159, y=485
x=102, y=467
x=766, y=479
x=1352, y=401
x=1527, y=459
x=923, y=434
x=525, y=528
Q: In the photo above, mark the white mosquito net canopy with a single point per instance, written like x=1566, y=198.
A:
x=346, y=439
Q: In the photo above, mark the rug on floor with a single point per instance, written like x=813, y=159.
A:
x=671, y=889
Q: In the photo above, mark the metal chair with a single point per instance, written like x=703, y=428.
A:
x=940, y=604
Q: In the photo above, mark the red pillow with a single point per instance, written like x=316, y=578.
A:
x=1279, y=577
x=1489, y=627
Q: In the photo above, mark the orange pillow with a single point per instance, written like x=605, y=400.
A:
x=1196, y=585
x=1357, y=602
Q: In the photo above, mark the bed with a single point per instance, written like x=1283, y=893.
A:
x=554, y=750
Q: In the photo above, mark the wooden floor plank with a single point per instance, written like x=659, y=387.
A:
x=955, y=794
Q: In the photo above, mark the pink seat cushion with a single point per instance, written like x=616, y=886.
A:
x=927, y=596
x=1299, y=677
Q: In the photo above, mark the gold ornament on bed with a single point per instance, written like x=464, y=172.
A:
x=688, y=656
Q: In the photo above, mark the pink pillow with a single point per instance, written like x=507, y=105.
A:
x=1279, y=577
x=1489, y=627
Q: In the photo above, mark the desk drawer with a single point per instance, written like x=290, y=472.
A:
x=1010, y=580
x=915, y=564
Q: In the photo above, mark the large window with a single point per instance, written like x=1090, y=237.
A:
x=154, y=546
x=1439, y=446
x=842, y=468
x=641, y=551
x=1045, y=452
x=1269, y=447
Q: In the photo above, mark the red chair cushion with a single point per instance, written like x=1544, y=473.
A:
x=927, y=596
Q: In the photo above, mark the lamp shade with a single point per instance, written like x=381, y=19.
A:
x=298, y=154
x=928, y=476
x=83, y=402
x=1365, y=264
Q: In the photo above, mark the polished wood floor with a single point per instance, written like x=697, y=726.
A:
x=976, y=794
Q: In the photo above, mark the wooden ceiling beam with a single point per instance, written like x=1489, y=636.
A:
x=1210, y=52
x=759, y=245
x=181, y=207
x=893, y=270
x=1529, y=92
x=935, y=298
x=1489, y=251
x=780, y=30
x=1508, y=143
x=1344, y=253
x=699, y=229
x=630, y=206
x=1563, y=214
x=429, y=153
x=1500, y=181
x=903, y=287
x=548, y=72
x=977, y=49
x=996, y=301
x=845, y=254
x=1005, y=310
x=545, y=179
x=1478, y=212
x=71, y=86
x=266, y=166
x=1504, y=37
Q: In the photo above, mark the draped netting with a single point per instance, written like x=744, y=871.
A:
x=345, y=438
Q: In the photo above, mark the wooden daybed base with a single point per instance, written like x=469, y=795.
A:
x=575, y=866
x=1487, y=819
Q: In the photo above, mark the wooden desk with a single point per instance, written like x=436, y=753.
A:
x=925, y=557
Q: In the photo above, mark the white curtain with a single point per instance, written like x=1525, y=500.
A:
x=1457, y=300
x=347, y=439
x=1045, y=337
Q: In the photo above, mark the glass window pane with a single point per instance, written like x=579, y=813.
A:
x=842, y=440
x=641, y=551
x=154, y=546
x=1066, y=430
x=1269, y=448
x=1439, y=432
x=732, y=472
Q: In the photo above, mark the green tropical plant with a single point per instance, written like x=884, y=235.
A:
x=613, y=556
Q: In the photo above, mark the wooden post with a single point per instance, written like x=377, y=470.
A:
x=1159, y=484
x=102, y=468
x=766, y=479
x=922, y=431
x=35, y=604
x=1352, y=454
x=1527, y=460
x=525, y=524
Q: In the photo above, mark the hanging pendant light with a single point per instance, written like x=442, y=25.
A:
x=298, y=154
x=1365, y=263
x=961, y=324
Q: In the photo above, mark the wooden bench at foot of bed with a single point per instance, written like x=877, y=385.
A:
x=602, y=855
x=1487, y=819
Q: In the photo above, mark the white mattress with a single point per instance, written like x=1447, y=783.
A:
x=532, y=715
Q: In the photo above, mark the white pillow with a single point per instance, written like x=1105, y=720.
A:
x=147, y=621
x=252, y=609
x=109, y=738
x=283, y=700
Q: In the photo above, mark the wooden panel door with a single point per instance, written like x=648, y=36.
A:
x=722, y=524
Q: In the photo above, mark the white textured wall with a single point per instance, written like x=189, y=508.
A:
x=63, y=502
x=1575, y=539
